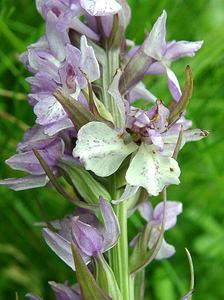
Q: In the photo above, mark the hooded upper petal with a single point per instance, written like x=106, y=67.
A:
x=86, y=237
x=151, y=170
x=101, y=148
x=56, y=39
x=155, y=43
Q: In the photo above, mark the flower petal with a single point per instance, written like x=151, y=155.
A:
x=140, y=92
x=89, y=63
x=39, y=4
x=25, y=183
x=180, y=49
x=156, y=138
x=34, y=137
x=171, y=136
x=111, y=225
x=63, y=292
x=155, y=43
x=173, y=209
x=33, y=297
x=146, y=210
x=53, y=128
x=48, y=111
x=128, y=193
x=166, y=250
x=28, y=162
x=173, y=84
x=60, y=246
x=86, y=237
x=56, y=39
x=100, y=7
x=101, y=148
x=79, y=26
x=156, y=68
x=152, y=171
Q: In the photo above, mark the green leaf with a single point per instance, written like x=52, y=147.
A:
x=177, y=108
x=139, y=283
x=178, y=144
x=103, y=112
x=99, y=107
x=85, y=184
x=58, y=186
x=78, y=114
x=89, y=287
x=191, y=288
x=106, y=279
x=134, y=71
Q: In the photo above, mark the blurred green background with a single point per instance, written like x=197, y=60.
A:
x=26, y=263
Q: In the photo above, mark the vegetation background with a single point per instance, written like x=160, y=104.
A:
x=26, y=263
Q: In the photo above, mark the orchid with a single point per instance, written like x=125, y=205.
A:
x=154, y=218
x=163, y=53
x=51, y=148
x=62, y=292
x=103, y=149
x=51, y=73
x=86, y=231
x=97, y=148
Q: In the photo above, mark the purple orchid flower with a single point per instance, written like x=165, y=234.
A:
x=51, y=73
x=86, y=232
x=65, y=14
x=146, y=136
x=51, y=149
x=62, y=292
x=155, y=218
x=164, y=53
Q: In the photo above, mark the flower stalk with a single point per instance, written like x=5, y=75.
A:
x=119, y=254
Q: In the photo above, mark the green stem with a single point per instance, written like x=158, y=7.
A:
x=132, y=288
x=109, y=70
x=119, y=254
